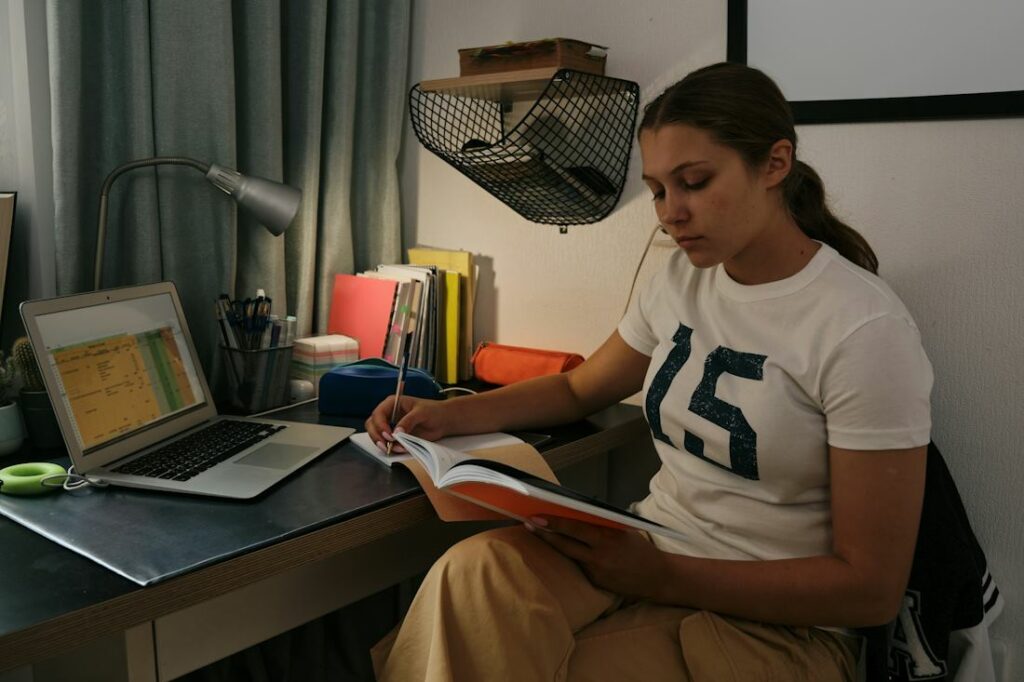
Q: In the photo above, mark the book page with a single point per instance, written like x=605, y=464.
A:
x=450, y=507
x=437, y=459
x=523, y=457
x=471, y=445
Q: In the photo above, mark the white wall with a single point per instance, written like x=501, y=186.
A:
x=941, y=203
x=548, y=290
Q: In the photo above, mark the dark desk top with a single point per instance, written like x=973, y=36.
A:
x=41, y=581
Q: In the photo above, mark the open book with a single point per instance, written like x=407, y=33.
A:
x=513, y=482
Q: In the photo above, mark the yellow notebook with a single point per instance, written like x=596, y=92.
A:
x=460, y=262
x=452, y=301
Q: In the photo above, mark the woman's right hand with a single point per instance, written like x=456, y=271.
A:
x=417, y=416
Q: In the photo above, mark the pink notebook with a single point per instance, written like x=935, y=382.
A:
x=361, y=309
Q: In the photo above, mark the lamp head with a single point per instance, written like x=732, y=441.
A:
x=272, y=204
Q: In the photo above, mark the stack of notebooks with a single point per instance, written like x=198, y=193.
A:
x=430, y=298
x=314, y=356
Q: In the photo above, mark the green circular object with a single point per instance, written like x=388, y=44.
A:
x=27, y=479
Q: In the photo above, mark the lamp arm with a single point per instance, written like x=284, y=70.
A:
x=101, y=229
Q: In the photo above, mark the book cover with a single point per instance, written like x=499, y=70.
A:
x=449, y=372
x=400, y=325
x=361, y=309
x=462, y=263
x=424, y=306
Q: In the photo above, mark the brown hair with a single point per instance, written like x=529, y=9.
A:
x=744, y=109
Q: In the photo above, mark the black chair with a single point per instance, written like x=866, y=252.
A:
x=949, y=589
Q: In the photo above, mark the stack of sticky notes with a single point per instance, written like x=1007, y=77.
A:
x=314, y=356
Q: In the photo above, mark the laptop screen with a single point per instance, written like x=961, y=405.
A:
x=121, y=366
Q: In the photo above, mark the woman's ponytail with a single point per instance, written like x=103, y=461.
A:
x=804, y=194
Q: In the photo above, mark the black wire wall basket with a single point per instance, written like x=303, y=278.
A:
x=564, y=163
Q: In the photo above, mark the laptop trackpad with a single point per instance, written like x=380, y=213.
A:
x=277, y=456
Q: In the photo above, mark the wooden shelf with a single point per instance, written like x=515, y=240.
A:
x=507, y=86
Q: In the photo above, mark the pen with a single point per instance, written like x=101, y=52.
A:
x=398, y=389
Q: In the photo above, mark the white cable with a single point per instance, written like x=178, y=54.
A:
x=643, y=257
x=458, y=388
x=72, y=481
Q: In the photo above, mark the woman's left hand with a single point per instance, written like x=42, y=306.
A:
x=621, y=561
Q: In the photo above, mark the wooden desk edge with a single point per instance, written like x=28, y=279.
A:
x=72, y=629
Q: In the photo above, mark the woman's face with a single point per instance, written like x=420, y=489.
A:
x=705, y=195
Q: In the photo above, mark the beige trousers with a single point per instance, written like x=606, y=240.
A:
x=503, y=605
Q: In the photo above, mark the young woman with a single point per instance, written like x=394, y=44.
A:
x=787, y=393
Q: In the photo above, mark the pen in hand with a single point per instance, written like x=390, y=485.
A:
x=398, y=390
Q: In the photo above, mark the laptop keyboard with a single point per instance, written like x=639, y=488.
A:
x=186, y=457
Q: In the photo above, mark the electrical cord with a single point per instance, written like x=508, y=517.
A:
x=72, y=481
x=643, y=257
x=458, y=389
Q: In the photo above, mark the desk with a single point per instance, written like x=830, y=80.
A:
x=53, y=601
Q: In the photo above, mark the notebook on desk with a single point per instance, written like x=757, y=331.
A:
x=134, y=406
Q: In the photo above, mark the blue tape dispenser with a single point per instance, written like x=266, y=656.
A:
x=356, y=388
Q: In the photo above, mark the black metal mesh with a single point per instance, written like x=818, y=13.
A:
x=563, y=164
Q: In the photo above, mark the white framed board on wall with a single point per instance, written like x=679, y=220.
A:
x=878, y=60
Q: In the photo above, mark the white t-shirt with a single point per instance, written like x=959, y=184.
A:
x=747, y=387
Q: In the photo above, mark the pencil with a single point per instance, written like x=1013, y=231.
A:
x=398, y=388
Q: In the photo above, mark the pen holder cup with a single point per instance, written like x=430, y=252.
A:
x=257, y=379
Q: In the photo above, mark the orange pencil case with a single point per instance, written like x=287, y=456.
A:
x=499, y=364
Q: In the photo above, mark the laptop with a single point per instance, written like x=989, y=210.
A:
x=134, y=407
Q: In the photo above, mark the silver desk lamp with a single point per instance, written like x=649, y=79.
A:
x=270, y=203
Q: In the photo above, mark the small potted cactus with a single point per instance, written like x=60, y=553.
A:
x=36, y=408
x=12, y=430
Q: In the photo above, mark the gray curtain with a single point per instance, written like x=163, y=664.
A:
x=311, y=92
